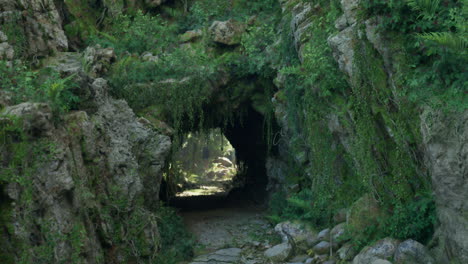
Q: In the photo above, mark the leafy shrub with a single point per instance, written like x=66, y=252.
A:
x=414, y=219
x=203, y=12
x=45, y=86
x=436, y=41
x=176, y=242
x=178, y=83
x=137, y=33
x=304, y=206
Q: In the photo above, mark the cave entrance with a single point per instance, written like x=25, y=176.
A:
x=204, y=165
x=223, y=167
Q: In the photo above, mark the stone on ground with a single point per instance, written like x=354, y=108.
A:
x=410, y=251
x=322, y=248
x=347, y=252
x=382, y=249
x=228, y=255
x=279, y=252
x=303, y=236
x=324, y=235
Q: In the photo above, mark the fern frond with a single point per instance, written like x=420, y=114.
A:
x=454, y=42
x=427, y=8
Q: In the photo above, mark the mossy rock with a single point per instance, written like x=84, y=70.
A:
x=364, y=215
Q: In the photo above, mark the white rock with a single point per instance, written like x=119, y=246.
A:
x=279, y=252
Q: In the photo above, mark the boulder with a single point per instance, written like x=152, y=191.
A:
x=340, y=215
x=303, y=237
x=410, y=251
x=324, y=235
x=338, y=233
x=3, y=37
x=7, y=51
x=382, y=249
x=347, y=252
x=322, y=248
x=363, y=213
x=227, y=32
x=300, y=258
x=279, y=253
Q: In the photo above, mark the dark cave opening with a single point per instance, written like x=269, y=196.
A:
x=248, y=137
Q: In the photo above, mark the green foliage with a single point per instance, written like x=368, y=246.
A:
x=137, y=33
x=378, y=126
x=427, y=8
x=415, y=219
x=45, y=86
x=204, y=12
x=14, y=30
x=318, y=71
x=176, y=243
x=310, y=87
x=178, y=83
x=436, y=42
x=256, y=48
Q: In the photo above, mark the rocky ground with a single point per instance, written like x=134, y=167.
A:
x=241, y=234
x=234, y=234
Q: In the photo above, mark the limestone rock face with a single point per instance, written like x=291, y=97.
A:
x=36, y=117
x=342, y=45
x=6, y=50
x=100, y=179
x=227, y=32
x=445, y=139
x=40, y=25
x=350, y=9
x=99, y=59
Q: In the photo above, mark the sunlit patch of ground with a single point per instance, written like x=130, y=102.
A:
x=203, y=190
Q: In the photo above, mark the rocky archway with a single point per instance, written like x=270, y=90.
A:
x=248, y=137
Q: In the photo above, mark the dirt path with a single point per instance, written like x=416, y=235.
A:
x=236, y=234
